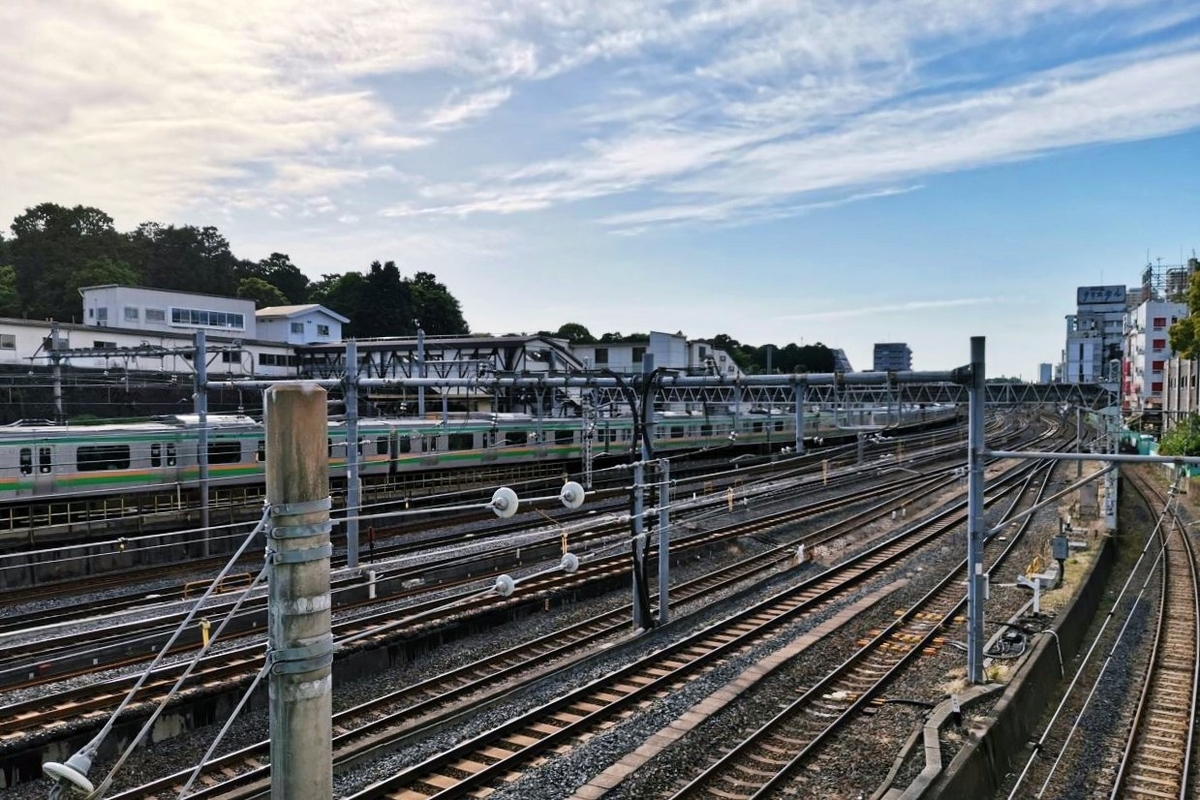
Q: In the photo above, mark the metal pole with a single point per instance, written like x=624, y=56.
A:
x=639, y=542
x=1078, y=439
x=56, y=369
x=648, y=406
x=299, y=637
x=799, y=393
x=200, y=364
x=1111, y=482
x=975, y=524
x=421, y=371
x=664, y=539
x=353, y=489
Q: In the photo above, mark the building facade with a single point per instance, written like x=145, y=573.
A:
x=300, y=324
x=161, y=311
x=1096, y=333
x=892, y=357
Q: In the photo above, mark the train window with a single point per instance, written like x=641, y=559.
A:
x=26, y=460
x=224, y=452
x=676, y=432
x=778, y=425
x=94, y=458
x=381, y=446
x=329, y=442
x=430, y=444
x=260, y=452
x=756, y=427
x=44, y=463
x=156, y=454
x=706, y=431
x=405, y=443
x=516, y=437
x=171, y=457
x=461, y=441
x=564, y=436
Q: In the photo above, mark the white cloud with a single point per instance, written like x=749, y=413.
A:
x=892, y=308
x=455, y=113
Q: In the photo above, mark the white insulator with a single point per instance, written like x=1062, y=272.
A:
x=505, y=585
x=572, y=495
x=71, y=776
x=504, y=502
x=570, y=563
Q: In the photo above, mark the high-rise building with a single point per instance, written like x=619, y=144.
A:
x=1096, y=334
x=892, y=356
x=1045, y=373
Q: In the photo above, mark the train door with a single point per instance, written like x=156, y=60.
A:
x=24, y=470
x=43, y=477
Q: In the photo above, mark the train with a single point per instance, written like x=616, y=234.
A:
x=43, y=460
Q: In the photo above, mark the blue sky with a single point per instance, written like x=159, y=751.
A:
x=840, y=171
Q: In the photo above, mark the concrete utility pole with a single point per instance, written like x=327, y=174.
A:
x=976, y=578
x=299, y=637
x=56, y=371
x=664, y=541
x=799, y=394
x=200, y=365
x=421, y=371
x=353, y=487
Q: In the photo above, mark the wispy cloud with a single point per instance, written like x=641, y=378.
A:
x=667, y=113
x=457, y=112
x=892, y=308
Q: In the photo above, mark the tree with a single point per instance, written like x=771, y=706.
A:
x=346, y=295
x=10, y=303
x=279, y=271
x=1183, y=333
x=1183, y=439
x=262, y=293
x=50, y=244
x=186, y=259
x=437, y=310
x=103, y=271
x=574, y=333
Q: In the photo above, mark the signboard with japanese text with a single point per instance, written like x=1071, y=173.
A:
x=1089, y=295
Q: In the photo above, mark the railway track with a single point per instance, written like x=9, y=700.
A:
x=504, y=751
x=765, y=760
x=1156, y=762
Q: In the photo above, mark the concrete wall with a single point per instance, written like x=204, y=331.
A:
x=982, y=765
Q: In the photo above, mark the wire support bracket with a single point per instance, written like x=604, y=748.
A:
x=302, y=556
x=306, y=507
x=294, y=660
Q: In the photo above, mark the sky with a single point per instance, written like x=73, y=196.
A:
x=835, y=171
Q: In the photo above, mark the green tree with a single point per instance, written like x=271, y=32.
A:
x=574, y=333
x=345, y=294
x=102, y=271
x=10, y=303
x=50, y=244
x=262, y=293
x=186, y=259
x=1183, y=439
x=1183, y=333
x=437, y=310
x=279, y=271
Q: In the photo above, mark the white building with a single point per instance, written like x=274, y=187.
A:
x=300, y=324
x=138, y=308
x=1096, y=334
x=1147, y=350
x=670, y=351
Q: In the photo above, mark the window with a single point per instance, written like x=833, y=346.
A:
x=516, y=438
x=44, y=463
x=703, y=352
x=298, y=328
x=131, y=314
x=156, y=315
x=101, y=315
x=1156, y=366
x=171, y=454
x=156, y=455
x=8, y=341
x=1159, y=344
x=381, y=446
x=224, y=452
x=231, y=356
x=322, y=330
x=601, y=355
x=405, y=443
x=26, y=461
x=1160, y=323
x=638, y=352
x=1156, y=387
x=260, y=452
x=99, y=344
x=756, y=427
x=676, y=432
x=706, y=431
x=461, y=441
x=778, y=425
x=96, y=458
x=203, y=318
x=564, y=436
